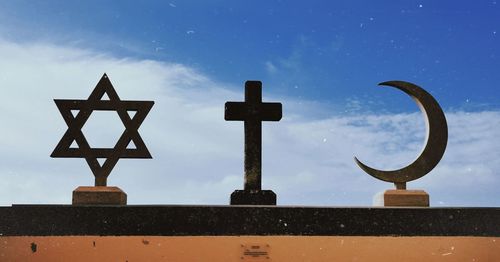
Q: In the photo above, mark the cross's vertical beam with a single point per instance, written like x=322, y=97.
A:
x=253, y=137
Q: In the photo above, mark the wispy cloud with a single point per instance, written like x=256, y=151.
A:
x=270, y=67
x=198, y=157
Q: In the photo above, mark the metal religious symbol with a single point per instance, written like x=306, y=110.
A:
x=437, y=138
x=77, y=121
x=253, y=112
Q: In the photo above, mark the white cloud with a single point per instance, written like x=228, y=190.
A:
x=270, y=67
x=198, y=157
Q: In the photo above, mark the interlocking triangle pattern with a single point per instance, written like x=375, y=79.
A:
x=84, y=109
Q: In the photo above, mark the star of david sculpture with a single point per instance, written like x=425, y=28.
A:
x=101, y=193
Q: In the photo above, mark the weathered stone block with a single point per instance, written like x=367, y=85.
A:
x=406, y=198
x=99, y=195
x=253, y=197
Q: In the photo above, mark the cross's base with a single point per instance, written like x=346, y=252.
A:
x=99, y=195
x=253, y=197
x=406, y=198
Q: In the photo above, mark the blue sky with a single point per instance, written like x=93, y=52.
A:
x=329, y=50
x=322, y=59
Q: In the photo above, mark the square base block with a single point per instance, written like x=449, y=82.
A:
x=253, y=197
x=99, y=195
x=406, y=198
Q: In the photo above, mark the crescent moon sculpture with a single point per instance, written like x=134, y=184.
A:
x=437, y=138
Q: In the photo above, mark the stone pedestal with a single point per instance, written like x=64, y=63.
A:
x=253, y=197
x=99, y=195
x=405, y=198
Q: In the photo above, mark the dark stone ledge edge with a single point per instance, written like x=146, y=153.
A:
x=178, y=220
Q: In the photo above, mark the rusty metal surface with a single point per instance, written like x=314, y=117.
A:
x=85, y=109
x=437, y=139
x=228, y=248
x=253, y=112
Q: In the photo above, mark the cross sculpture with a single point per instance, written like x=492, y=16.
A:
x=253, y=112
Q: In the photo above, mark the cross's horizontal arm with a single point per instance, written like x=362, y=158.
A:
x=235, y=111
x=240, y=111
x=271, y=112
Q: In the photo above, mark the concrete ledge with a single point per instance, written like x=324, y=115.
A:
x=68, y=220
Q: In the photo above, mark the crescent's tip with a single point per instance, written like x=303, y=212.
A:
x=390, y=83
